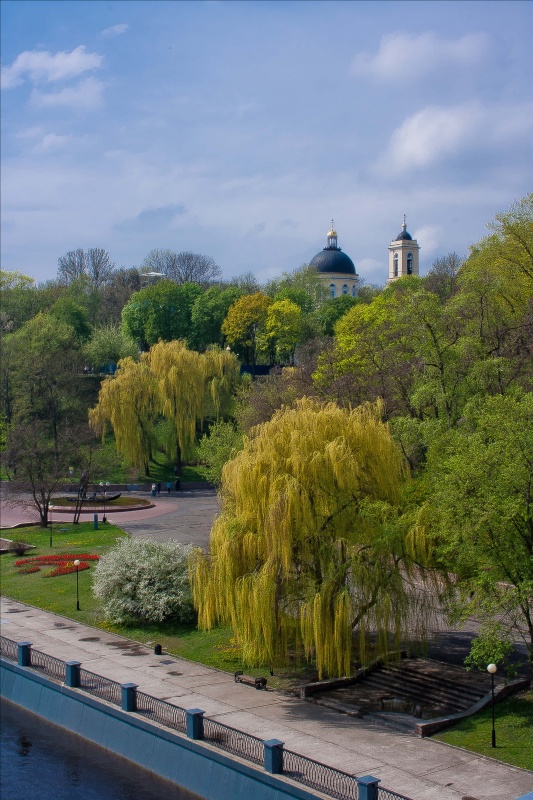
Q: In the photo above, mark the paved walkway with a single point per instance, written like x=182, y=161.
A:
x=186, y=516
x=419, y=768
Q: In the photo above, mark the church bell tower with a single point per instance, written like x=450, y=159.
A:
x=403, y=255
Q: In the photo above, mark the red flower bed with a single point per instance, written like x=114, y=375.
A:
x=59, y=559
x=64, y=564
x=65, y=569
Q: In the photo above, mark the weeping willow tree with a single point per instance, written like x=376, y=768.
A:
x=309, y=547
x=169, y=386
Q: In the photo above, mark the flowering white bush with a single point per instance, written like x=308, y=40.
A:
x=143, y=580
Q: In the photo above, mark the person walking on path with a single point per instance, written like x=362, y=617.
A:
x=169, y=486
x=154, y=489
x=158, y=488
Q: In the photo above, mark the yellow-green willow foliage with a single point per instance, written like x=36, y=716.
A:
x=169, y=383
x=126, y=402
x=308, y=546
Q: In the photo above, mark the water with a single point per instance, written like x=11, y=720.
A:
x=41, y=760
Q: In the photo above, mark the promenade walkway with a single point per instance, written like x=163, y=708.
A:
x=419, y=768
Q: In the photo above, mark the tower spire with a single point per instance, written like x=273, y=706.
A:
x=332, y=236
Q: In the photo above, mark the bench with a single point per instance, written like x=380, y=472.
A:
x=257, y=683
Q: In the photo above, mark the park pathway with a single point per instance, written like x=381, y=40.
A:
x=185, y=515
x=419, y=768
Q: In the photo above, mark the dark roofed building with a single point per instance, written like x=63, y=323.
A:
x=336, y=268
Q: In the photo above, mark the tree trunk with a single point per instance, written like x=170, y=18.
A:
x=179, y=462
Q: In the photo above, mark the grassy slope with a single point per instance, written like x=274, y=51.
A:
x=514, y=731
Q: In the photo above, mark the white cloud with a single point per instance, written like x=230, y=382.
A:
x=429, y=238
x=402, y=56
x=115, y=30
x=431, y=134
x=86, y=95
x=40, y=65
x=30, y=133
x=439, y=132
x=52, y=142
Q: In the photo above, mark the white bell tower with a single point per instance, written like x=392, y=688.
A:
x=403, y=255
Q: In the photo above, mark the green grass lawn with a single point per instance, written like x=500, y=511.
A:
x=514, y=731
x=57, y=594
x=215, y=648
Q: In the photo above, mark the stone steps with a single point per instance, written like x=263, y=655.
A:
x=427, y=689
x=408, y=691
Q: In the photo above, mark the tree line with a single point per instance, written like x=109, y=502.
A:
x=381, y=472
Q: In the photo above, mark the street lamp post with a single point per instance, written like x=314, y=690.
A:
x=105, y=485
x=77, y=564
x=50, y=515
x=492, y=668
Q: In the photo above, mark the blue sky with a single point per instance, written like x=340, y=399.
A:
x=238, y=129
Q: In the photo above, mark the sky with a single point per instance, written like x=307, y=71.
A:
x=239, y=128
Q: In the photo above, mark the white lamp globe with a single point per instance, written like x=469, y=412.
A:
x=492, y=668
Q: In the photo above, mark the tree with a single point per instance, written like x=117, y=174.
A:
x=247, y=283
x=217, y=447
x=244, y=323
x=44, y=362
x=308, y=546
x=169, y=383
x=15, y=280
x=283, y=330
x=144, y=581
x=481, y=474
x=513, y=238
x=109, y=343
x=67, y=311
x=442, y=277
x=39, y=461
x=94, y=264
x=125, y=402
x=184, y=267
x=71, y=266
x=99, y=267
x=331, y=311
x=116, y=294
x=282, y=387
x=161, y=311
x=208, y=312
x=21, y=300
x=303, y=286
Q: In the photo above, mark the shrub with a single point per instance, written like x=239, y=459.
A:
x=19, y=548
x=142, y=580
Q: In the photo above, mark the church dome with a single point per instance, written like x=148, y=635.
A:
x=404, y=235
x=331, y=258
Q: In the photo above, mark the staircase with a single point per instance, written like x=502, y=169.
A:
x=404, y=693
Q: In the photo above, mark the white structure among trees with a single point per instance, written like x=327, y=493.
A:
x=403, y=255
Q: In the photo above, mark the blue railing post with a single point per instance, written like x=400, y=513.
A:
x=195, y=723
x=24, y=654
x=129, y=696
x=72, y=674
x=367, y=788
x=273, y=756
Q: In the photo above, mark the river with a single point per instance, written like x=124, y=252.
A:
x=41, y=760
